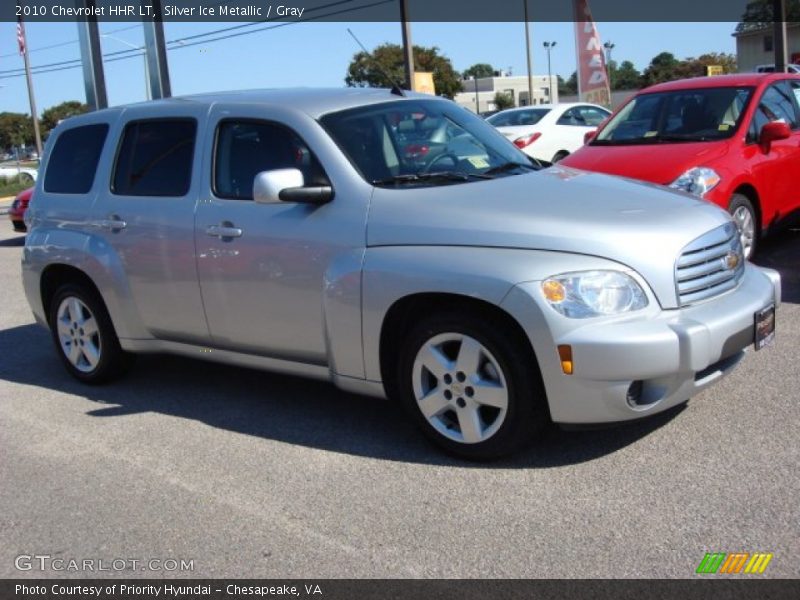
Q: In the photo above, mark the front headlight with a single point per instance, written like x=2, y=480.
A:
x=593, y=294
x=697, y=181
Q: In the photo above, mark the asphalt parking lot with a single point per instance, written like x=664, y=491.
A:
x=251, y=474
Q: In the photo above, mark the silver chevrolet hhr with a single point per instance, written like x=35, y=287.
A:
x=394, y=244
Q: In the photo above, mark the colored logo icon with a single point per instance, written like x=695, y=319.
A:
x=734, y=563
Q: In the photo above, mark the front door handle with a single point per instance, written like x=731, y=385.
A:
x=224, y=231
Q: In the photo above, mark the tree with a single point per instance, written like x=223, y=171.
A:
x=365, y=69
x=696, y=67
x=626, y=76
x=479, y=70
x=54, y=114
x=503, y=100
x=568, y=87
x=16, y=129
x=758, y=15
x=663, y=67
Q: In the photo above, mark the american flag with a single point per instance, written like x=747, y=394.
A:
x=21, y=36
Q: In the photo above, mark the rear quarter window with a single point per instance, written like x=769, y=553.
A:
x=73, y=162
x=155, y=158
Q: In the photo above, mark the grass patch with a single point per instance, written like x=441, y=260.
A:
x=11, y=186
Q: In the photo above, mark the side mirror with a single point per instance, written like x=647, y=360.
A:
x=773, y=132
x=589, y=136
x=287, y=185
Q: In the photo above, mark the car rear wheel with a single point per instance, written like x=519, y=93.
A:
x=84, y=335
x=470, y=387
x=741, y=209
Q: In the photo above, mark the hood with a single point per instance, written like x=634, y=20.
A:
x=642, y=226
x=657, y=163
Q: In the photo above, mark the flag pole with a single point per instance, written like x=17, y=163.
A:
x=23, y=48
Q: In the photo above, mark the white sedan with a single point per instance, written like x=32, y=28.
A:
x=549, y=132
x=26, y=175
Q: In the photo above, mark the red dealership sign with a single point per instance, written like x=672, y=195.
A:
x=592, y=73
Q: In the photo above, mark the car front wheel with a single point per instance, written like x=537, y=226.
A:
x=471, y=387
x=741, y=209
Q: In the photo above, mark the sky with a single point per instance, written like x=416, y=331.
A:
x=317, y=54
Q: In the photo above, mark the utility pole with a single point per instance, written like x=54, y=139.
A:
x=779, y=34
x=23, y=47
x=408, y=48
x=156, y=50
x=528, y=53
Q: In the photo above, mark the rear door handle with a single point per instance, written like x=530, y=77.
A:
x=112, y=223
x=224, y=231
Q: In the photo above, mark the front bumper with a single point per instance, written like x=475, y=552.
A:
x=629, y=367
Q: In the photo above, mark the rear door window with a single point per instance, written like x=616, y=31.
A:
x=73, y=162
x=155, y=158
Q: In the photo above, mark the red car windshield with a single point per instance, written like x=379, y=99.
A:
x=697, y=115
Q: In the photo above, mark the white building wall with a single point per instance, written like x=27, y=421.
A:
x=516, y=86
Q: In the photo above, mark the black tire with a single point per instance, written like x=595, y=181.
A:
x=560, y=155
x=526, y=415
x=26, y=179
x=111, y=360
x=737, y=205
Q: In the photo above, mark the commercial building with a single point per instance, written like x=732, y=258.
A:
x=482, y=91
x=757, y=47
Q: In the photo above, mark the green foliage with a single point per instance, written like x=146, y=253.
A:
x=15, y=129
x=758, y=15
x=503, y=100
x=568, y=87
x=625, y=76
x=54, y=114
x=363, y=70
x=11, y=186
x=479, y=70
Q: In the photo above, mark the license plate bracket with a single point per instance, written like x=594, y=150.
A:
x=765, y=327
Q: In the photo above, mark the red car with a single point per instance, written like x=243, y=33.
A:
x=732, y=139
x=17, y=211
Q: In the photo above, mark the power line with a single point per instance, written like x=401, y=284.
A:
x=62, y=44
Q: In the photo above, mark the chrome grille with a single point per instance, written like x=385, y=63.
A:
x=704, y=269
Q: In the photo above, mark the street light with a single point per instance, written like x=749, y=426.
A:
x=549, y=46
x=144, y=56
x=609, y=47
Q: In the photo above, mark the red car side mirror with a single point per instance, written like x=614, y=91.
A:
x=773, y=132
x=589, y=136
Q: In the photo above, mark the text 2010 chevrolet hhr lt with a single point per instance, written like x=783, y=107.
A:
x=394, y=244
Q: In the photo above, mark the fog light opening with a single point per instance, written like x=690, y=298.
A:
x=565, y=355
x=634, y=396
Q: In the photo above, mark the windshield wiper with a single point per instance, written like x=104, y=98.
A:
x=435, y=175
x=509, y=166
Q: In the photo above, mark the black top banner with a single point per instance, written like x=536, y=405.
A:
x=758, y=11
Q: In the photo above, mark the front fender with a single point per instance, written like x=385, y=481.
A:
x=392, y=273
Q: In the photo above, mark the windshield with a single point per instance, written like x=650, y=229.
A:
x=516, y=118
x=419, y=142
x=681, y=116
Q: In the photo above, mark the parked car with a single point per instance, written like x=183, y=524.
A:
x=26, y=175
x=732, y=139
x=549, y=132
x=289, y=230
x=771, y=68
x=18, y=207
